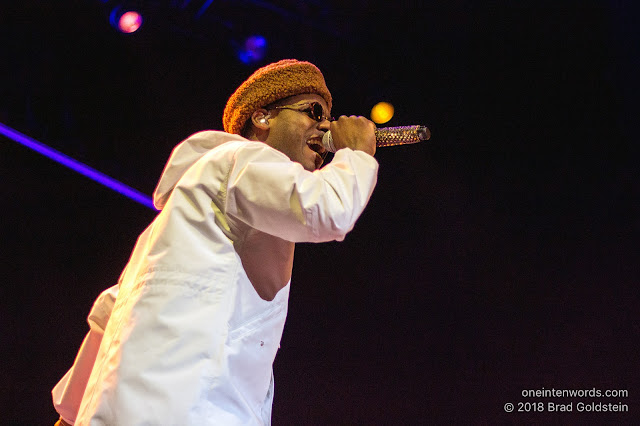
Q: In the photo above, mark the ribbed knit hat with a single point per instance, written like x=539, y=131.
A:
x=288, y=77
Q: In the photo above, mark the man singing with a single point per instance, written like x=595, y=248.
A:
x=189, y=334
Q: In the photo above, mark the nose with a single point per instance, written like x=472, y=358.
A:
x=324, y=125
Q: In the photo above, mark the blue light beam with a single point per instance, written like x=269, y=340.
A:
x=79, y=167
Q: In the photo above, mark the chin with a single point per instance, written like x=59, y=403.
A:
x=308, y=164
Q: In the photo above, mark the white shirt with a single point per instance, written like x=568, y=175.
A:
x=190, y=333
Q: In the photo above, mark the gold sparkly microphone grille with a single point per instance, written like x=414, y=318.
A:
x=389, y=136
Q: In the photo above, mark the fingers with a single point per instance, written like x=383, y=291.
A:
x=355, y=132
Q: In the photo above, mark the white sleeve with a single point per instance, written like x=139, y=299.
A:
x=277, y=196
x=67, y=394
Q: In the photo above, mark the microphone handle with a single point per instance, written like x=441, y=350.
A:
x=389, y=136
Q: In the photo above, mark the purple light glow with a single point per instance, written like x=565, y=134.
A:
x=65, y=160
x=253, y=50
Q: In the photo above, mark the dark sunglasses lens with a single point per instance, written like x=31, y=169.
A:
x=316, y=110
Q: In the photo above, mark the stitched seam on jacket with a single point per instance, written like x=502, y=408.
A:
x=249, y=325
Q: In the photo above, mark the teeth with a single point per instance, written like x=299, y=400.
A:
x=315, y=146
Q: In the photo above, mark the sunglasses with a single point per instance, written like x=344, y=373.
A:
x=313, y=109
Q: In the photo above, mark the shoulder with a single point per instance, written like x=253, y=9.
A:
x=238, y=149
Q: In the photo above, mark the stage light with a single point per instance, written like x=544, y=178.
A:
x=79, y=167
x=126, y=21
x=253, y=49
x=130, y=22
x=382, y=112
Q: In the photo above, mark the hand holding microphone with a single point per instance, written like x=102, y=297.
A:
x=355, y=132
x=385, y=136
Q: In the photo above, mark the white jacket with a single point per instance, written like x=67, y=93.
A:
x=189, y=334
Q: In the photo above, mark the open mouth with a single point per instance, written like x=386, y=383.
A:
x=315, y=144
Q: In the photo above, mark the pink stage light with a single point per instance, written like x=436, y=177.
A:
x=129, y=22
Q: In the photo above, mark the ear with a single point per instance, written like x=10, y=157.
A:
x=260, y=119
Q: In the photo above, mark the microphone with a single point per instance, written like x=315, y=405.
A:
x=389, y=136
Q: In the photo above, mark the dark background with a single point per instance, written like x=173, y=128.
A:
x=502, y=255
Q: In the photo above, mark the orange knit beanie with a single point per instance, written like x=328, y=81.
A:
x=269, y=84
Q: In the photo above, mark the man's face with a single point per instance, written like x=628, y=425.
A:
x=296, y=134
